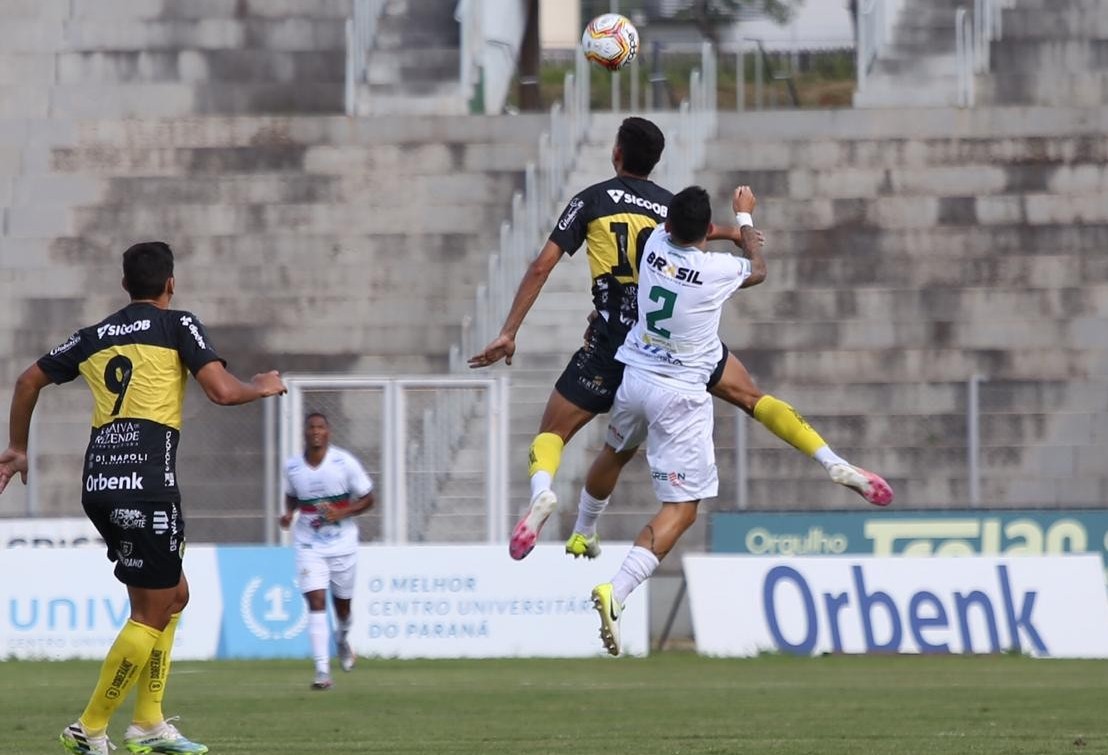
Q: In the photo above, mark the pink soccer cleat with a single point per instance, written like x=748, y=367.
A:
x=868, y=485
x=527, y=531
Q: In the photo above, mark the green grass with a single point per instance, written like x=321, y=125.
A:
x=670, y=703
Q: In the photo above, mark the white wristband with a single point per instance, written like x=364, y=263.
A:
x=744, y=219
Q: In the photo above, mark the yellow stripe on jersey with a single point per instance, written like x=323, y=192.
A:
x=614, y=243
x=136, y=381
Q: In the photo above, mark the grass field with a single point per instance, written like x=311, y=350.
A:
x=669, y=703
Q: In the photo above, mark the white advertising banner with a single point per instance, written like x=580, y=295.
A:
x=1052, y=606
x=65, y=532
x=66, y=603
x=473, y=601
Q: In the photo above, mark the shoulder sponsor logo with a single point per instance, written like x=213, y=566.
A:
x=568, y=216
x=619, y=195
x=99, y=483
x=191, y=325
x=128, y=519
x=73, y=341
x=122, y=330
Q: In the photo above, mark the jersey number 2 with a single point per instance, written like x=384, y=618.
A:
x=117, y=376
x=667, y=299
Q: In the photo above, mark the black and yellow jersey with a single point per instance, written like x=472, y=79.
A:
x=135, y=362
x=614, y=218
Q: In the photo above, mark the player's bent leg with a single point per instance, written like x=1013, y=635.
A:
x=599, y=484
x=653, y=543
x=561, y=421
x=343, y=577
x=736, y=386
x=155, y=674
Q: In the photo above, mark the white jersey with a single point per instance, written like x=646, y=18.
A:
x=338, y=480
x=675, y=341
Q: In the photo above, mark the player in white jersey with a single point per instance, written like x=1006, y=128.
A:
x=669, y=355
x=326, y=486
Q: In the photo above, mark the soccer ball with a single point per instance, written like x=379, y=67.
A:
x=610, y=41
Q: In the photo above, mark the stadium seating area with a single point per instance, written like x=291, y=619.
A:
x=909, y=250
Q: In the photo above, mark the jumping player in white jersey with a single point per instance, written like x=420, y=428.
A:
x=670, y=354
x=327, y=486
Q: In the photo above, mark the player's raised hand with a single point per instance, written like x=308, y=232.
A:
x=743, y=199
x=501, y=347
x=12, y=461
x=269, y=383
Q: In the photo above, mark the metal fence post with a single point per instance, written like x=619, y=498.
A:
x=269, y=484
x=973, y=440
x=742, y=487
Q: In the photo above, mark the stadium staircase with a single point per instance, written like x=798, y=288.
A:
x=308, y=241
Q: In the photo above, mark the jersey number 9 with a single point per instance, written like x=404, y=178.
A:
x=117, y=376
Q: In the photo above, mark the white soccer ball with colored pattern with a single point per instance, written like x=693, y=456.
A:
x=610, y=41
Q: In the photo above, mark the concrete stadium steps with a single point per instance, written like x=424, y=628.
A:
x=1056, y=177
x=912, y=153
x=1086, y=88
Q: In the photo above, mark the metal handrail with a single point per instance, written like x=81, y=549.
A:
x=871, y=23
x=964, y=55
x=361, y=28
x=696, y=125
x=468, y=15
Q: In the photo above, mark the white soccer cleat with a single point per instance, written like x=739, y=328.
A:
x=867, y=484
x=526, y=533
x=610, y=610
x=75, y=740
x=346, y=655
x=322, y=681
x=161, y=739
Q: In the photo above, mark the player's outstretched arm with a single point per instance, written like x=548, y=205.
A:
x=504, y=345
x=223, y=388
x=743, y=202
x=13, y=460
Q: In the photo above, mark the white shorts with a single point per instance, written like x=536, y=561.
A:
x=677, y=428
x=316, y=572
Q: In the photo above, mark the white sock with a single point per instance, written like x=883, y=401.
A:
x=540, y=481
x=588, y=511
x=342, y=628
x=828, y=458
x=637, y=568
x=318, y=631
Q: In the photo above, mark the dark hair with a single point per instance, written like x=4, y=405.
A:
x=690, y=214
x=641, y=143
x=312, y=415
x=146, y=268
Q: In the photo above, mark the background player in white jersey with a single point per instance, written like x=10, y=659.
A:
x=327, y=486
x=669, y=355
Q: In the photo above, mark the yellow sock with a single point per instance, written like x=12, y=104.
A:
x=781, y=419
x=151, y=683
x=546, y=453
x=125, y=660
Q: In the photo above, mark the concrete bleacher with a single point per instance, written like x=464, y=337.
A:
x=306, y=240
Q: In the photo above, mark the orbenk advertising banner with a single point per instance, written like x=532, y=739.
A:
x=1048, y=606
x=450, y=601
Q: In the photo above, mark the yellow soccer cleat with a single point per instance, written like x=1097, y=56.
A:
x=578, y=545
x=609, y=609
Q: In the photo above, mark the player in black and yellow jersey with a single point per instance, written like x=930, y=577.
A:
x=614, y=219
x=135, y=362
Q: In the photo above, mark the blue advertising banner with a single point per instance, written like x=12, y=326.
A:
x=264, y=614
x=911, y=533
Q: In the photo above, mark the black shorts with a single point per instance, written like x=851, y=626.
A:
x=145, y=540
x=593, y=375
